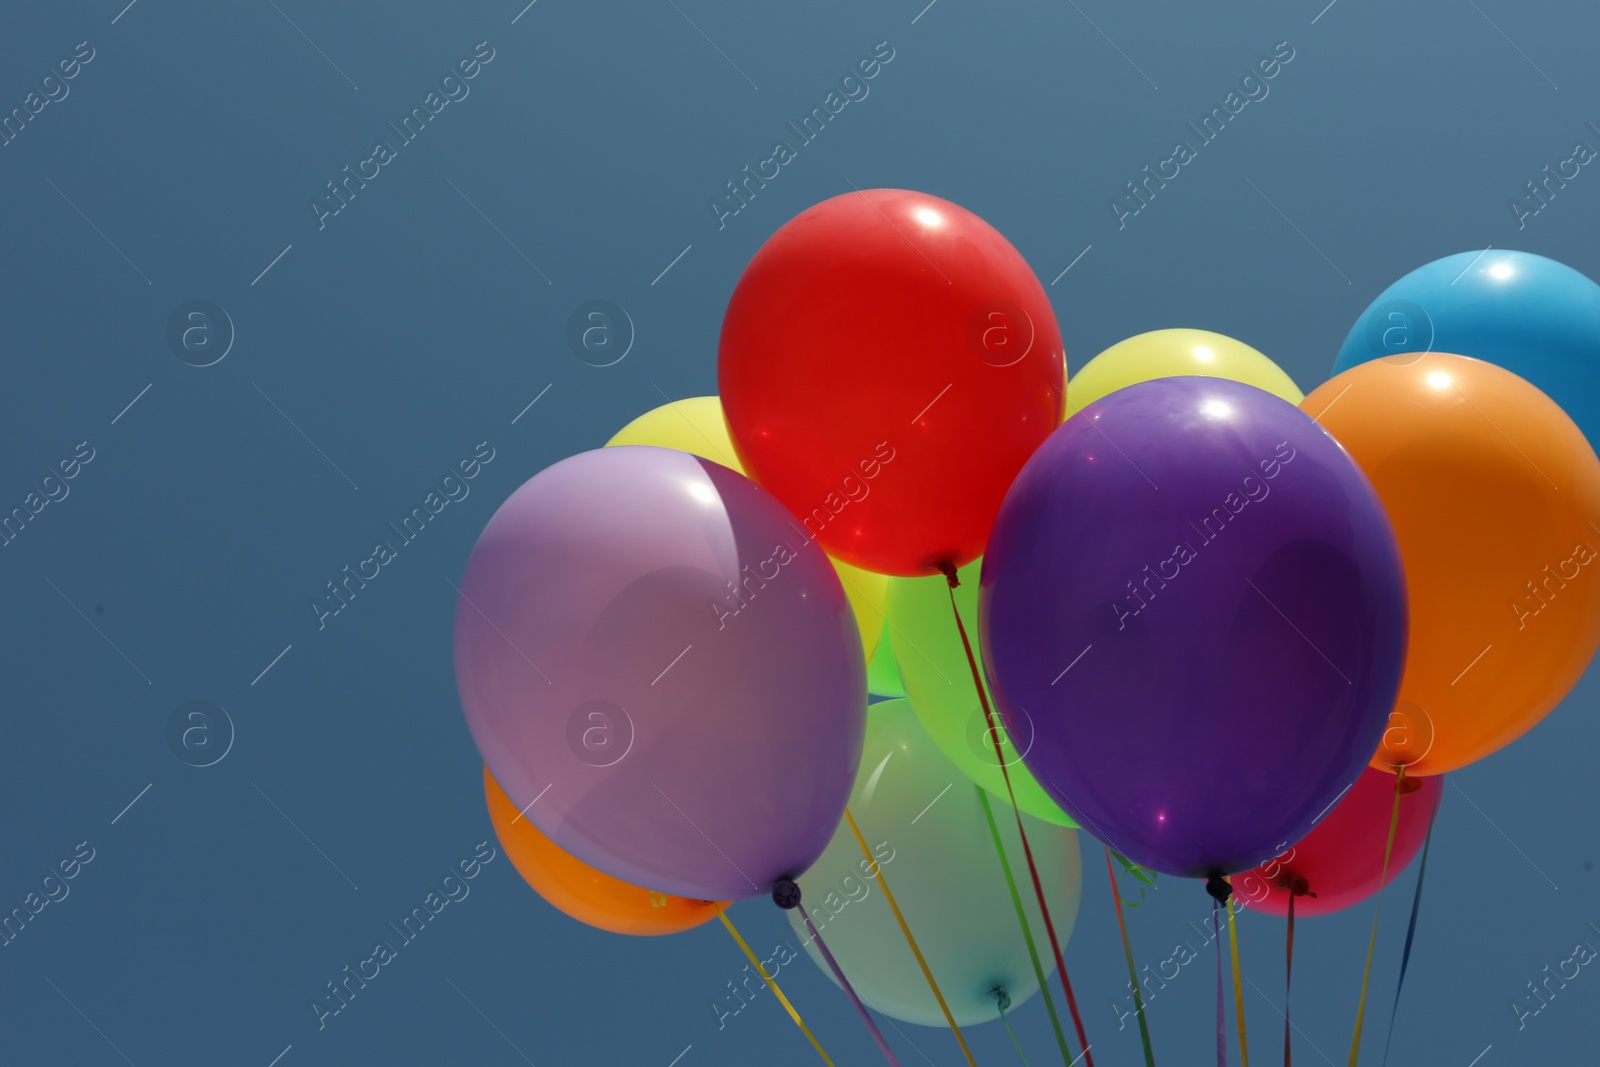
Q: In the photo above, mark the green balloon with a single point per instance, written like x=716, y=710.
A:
x=931, y=843
x=938, y=681
x=883, y=677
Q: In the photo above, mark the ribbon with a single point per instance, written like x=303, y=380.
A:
x=1222, y=1017
x=1004, y=1000
x=1238, y=990
x=773, y=982
x=883, y=881
x=1027, y=932
x=838, y=972
x=1027, y=850
x=1372, y=943
x=1133, y=974
x=1411, y=928
x=1288, y=970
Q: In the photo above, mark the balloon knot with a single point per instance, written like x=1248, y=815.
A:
x=786, y=894
x=1219, y=888
x=948, y=569
x=1001, y=997
x=1300, y=887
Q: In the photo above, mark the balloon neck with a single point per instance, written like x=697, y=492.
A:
x=786, y=894
x=948, y=569
x=1219, y=888
x=1297, y=886
x=1403, y=785
x=1001, y=997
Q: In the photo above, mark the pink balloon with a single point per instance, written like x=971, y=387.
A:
x=662, y=671
x=1341, y=859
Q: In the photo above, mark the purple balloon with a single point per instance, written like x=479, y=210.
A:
x=662, y=667
x=1196, y=597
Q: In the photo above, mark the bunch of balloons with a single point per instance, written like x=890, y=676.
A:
x=1207, y=610
x=1220, y=626
x=661, y=645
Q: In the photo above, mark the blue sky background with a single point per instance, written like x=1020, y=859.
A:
x=371, y=355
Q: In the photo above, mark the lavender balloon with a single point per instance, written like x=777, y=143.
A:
x=662, y=670
x=1197, y=598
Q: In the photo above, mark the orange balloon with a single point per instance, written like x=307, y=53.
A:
x=586, y=894
x=1494, y=495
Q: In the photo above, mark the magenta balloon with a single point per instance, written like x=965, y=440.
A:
x=660, y=666
x=1197, y=598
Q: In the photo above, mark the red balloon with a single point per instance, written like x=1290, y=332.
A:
x=1341, y=859
x=888, y=362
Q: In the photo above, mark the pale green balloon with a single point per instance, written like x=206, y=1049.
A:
x=926, y=825
x=938, y=681
x=883, y=677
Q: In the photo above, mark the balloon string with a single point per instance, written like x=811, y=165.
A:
x=905, y=929
x=773, y=982
x=1372, y=943
x=1004, y=1000
x=1027, y=933
x=844, y=983
x=1133, y=974
x=1411, y=929
x=1288, y=973
x=1238, y=988
x=1222, y=1017
x=1027, y=850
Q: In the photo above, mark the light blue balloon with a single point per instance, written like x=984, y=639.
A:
x=924, y=821
x=1537, y=318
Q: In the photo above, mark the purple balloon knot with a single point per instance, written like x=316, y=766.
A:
x=1219, y=888
x=786, y=894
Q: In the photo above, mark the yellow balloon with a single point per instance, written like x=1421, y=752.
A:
x=868, y=593
x=1169, y=353
x=696, y=426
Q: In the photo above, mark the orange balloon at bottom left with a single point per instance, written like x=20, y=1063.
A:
x=588, y=895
